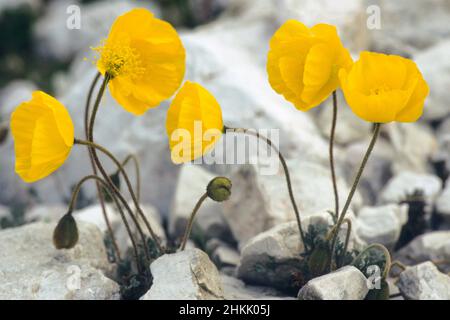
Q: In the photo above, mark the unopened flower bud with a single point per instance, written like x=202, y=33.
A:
x=219, y=189
x=319, y=260
x=65, y=235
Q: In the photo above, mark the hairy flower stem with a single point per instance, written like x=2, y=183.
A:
x=116, y=190
x=108, y=190
x=399, y=265
x=354, y=186
x=332, y=167
x=188, y=230
x=123, y=172
x=347, y=237
x=387, y=257
x=94, y=168
x=286, y=172
x=138, y=173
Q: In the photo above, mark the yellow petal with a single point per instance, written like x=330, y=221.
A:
x=318, y=68
x=290, y=30
x=303, y=63
x=381, y=70
x=384, y=88
x=326, y=33
x=414, y=108
x=289, y=84
x=61, y=116
x=194, y=123
x=288, y=49
x=146, y=57
x=43, y=136
x=125, y=98
x=135, y=23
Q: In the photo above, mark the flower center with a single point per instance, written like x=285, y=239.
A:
x=379, y=90
x=118, y=58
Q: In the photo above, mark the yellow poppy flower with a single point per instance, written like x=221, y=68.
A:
x=43, y=136
x=194, y=123
x=303, y=63
x=383, y=88
x=145, y=59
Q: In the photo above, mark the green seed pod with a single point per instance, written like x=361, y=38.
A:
x=379, y=294
x=219, y=189
x=4, y=131
x=319, y=261
x=65, y=235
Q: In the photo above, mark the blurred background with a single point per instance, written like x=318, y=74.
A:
x=227, y=44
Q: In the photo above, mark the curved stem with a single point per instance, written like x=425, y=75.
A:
x=286, y=172
x=138, y=173
x=91, y=159
x=333, y=216
x=331, y=147
x=354, y=186
x=386, y=253
x=88, y=104
x=347, y=238
x=116, y=190
x=108, y=190
x=191, y=221
x=398, y=264
x=105, y=174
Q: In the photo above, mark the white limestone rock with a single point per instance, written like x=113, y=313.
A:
x=57, y=36
x=186, y=275
x=265, y=199
x=31, y=267
x=348, y=16
x=405, y=183
x=397, y=17
x=209, y=221
x=46, y=213
x=378, y=169
x=347, y=283
x=13, y=94
x=400, y=148
x=93, y=214
x=381, y=224
x=273, y=256
x=413, y=144
x=435, y=69
x=424, y=282
x=433, y=246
